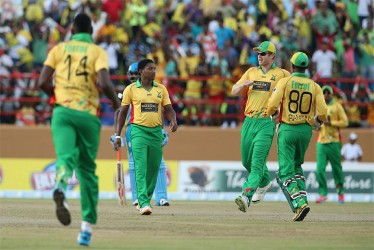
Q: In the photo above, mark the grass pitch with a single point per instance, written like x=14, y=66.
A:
x=31, y=224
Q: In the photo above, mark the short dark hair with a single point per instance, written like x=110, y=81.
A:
x=82, y=23
x=142, y=63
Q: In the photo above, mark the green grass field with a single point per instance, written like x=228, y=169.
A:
x=31, y=224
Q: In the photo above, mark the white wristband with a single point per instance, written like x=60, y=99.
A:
x=118, y=137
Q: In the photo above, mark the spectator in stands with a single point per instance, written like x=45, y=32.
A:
x=324, y=61
x=352, y=151
x=366, y=52
x=113, y=9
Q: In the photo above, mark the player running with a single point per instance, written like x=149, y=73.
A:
x=303, y=106
x=75, y=124
x=258, y=129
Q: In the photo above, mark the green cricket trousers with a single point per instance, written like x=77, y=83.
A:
x=146, y=145
x=256, y=139
x=292, y=142
x=325, y=153
x=76, y=137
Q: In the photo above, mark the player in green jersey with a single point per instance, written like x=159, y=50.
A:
x=75, y=67
x=258, y=129
x=301, y=106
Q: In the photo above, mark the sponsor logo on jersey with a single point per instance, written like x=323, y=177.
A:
x=261, y=86
x=149, y=107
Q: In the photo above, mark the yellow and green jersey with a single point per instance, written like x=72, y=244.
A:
x=299, y=98
x=338, y=119
x=146, y=104
x=76, y=63
x=261, y=90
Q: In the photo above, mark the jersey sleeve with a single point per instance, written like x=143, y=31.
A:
x=126, y=98
x=165, y=96
x=51, y=58
x=342, y=122
x=244, y=77
x=276, y=97
x=102, y=61
x=321, y=106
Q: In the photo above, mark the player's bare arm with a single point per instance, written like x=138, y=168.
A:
x=45, y=80
x=170, y=115
x=108, y=88
x=121, y=118
x=238, y=87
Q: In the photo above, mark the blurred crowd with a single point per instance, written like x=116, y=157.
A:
x=200, y=47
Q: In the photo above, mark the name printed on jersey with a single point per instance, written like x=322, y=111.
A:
x=261, y=86
x=149, y=107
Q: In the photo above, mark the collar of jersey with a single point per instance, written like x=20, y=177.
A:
x=299, y=74
x=273, y=66
x=82, y=37
x=138, y=83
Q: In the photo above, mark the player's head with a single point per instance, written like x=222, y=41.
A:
x=299, y=62
x=327, y=93
x=82, y=24
x=265, y=53
x=147, y=69
x=132, y=72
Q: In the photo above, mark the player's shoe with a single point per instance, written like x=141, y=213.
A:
x=84, y=239
x=321, y=199
x=164, y=203
x=145, y=210
x=341, y=199
x=138, y=207
x=243, y=203
x=301, y=212
x=260, y=193
x=62, y=209
x=135, y=203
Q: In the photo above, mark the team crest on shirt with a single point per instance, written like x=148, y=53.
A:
x=158, y=94
x=272, y=77
x=275, y=89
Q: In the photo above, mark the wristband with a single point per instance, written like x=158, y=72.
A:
x=118, y=137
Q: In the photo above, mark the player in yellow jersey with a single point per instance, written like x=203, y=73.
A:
x=329, y=145
x=147, y=99
x=299, y=98
x=258, y=129
x=76, y=66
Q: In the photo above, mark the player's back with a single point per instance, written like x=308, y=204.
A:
x=76, y=64
x=299, y=99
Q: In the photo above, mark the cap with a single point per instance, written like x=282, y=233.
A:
x=353, y=136
x=266, y=47
x=300, y=59
x=327, y=87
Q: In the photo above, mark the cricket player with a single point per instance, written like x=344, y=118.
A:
x=76, y=66
x=329, y=145
x=258, y=129
x=161, y=184
x=147, y=98
x=299, y=98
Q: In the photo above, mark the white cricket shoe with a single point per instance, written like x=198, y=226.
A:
x=260, y=193
x=243, y=203
x=145, y=210
x=164, y=202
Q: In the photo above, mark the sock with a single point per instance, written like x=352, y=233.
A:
x=86, y=227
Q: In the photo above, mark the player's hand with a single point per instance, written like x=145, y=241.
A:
x=274, y=117
x=173, y=126
x=248, y=83
x=117, y=143
x=166, y=137
x=113, y=138
x=317, y=123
